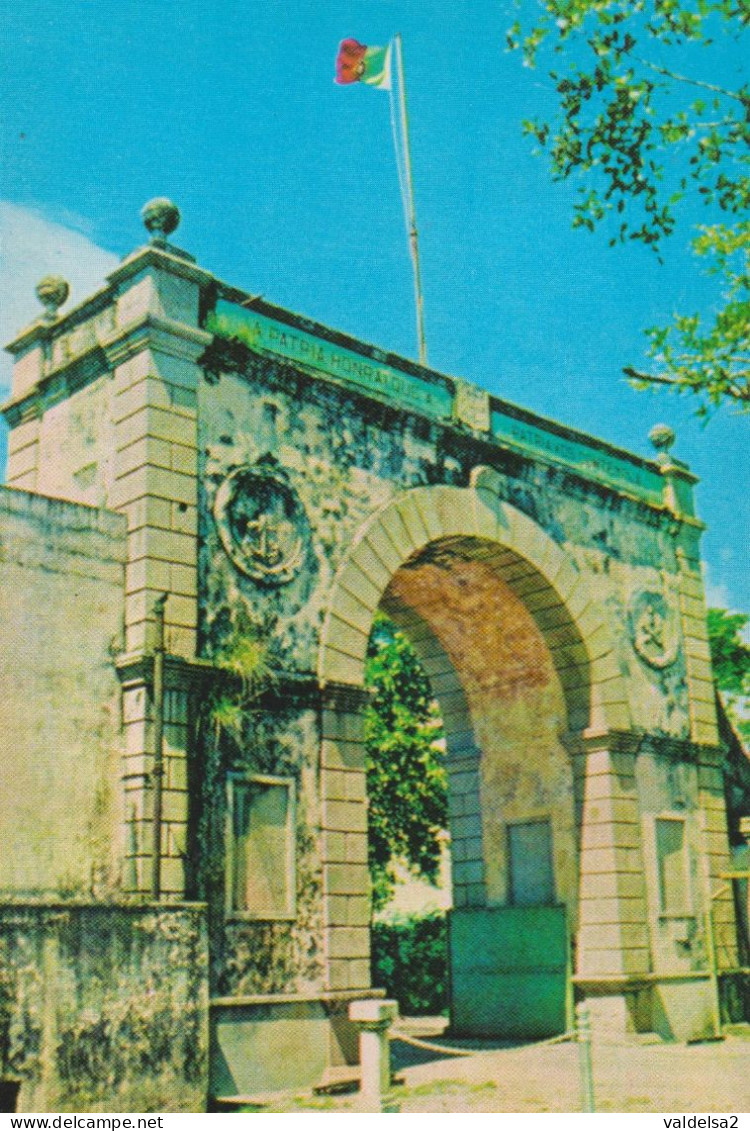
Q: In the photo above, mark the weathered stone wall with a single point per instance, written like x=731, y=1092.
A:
x=667, y=786
x=342, y=463
x=240, y=423
x=103, y=413
x=104, y=1008
x=61, y=615
x=287, y=482
x=68, y=452
x=279, y=738
x=345, y=457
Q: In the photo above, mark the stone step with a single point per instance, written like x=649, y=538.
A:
x=339, y=1078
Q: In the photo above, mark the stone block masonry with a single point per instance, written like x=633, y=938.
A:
x=278, y=481
x=105, y=1008
x=61, y=609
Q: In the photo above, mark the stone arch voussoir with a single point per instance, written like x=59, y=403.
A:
x=546, y=579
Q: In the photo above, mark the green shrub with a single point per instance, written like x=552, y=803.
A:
x=410, y=962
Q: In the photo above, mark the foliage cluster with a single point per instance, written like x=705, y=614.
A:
x=730, y=657
x=410, y=961
x=246, y=656
x=406, y=777
x=647, y=131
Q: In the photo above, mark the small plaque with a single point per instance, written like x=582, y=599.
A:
x=472, y=406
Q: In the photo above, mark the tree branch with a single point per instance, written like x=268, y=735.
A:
x=693, y=82
x=739, y=393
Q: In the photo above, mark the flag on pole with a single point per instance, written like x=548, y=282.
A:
x=357, y=63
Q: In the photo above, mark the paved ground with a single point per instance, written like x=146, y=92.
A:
x=658, y=1077
x=671, y=1078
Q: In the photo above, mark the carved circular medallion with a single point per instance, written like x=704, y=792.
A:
x=653, y=629
x=261, y=523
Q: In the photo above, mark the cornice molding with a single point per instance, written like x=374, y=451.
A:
x=637, y=742
x=151, y=331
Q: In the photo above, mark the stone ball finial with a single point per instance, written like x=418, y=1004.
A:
x=161, y=217
x=662, y=437
x=52, y=291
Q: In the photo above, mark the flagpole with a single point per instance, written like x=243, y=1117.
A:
x=412, y=216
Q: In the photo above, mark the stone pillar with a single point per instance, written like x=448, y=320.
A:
x=374, y=1019
x=153, y=353
x=346, y=877
x=701, y=691
x=612, y=940
x=138, y=722
x=465, y=819
x=679, y=482
x=717, y=858
x=704, y=731
x=156, y=374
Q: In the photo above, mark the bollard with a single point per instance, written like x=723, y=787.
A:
x=583, y=1031
x=374, y=1018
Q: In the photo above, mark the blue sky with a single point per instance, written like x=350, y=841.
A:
x=288, y=187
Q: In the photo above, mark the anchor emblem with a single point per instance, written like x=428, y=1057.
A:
x=653, y=631
x=261, y=524
x=262, y=540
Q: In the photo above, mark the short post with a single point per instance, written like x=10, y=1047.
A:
x=374, y=1017
x=583, y=1032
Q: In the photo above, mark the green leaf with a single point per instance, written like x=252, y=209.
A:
x=631, y=131
x=405, y=752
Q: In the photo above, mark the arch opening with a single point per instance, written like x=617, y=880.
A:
x=427, y=523
x=521, y=662
x=505, y=704
x=408, y=846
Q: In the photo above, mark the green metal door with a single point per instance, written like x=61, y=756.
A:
x=509, y=972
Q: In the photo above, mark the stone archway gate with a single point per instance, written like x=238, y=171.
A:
x=285, y=481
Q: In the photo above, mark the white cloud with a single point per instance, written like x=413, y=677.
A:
x=31, y=247
x=717, y=597
x=717, y=594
